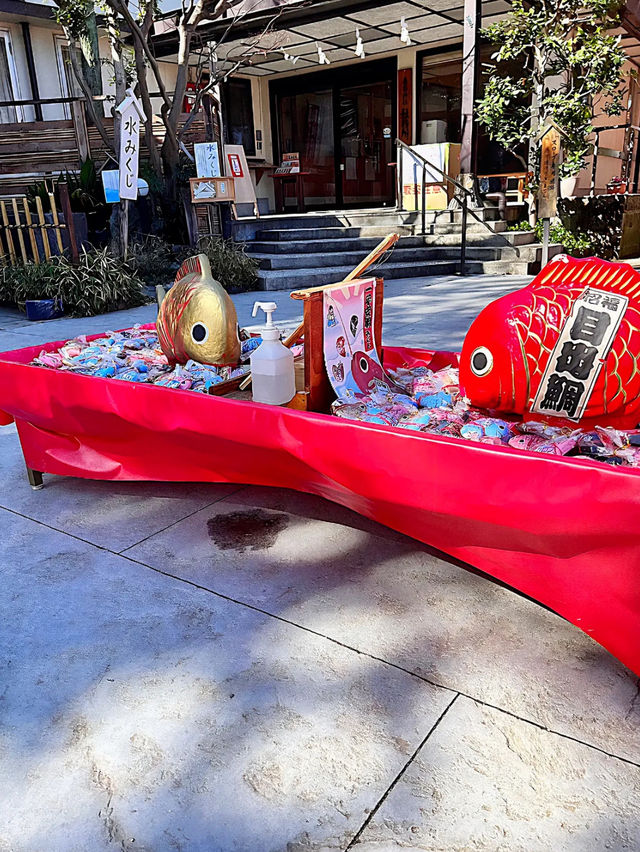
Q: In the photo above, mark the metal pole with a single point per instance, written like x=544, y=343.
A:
x=463, y=235
x=424, y=200
x=545, y=242
x=400, y=175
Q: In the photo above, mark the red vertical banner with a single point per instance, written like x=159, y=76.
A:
x=405, y=105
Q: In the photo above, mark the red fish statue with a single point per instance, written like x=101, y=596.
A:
x=566, y=346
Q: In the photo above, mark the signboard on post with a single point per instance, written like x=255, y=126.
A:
x=131, y=117
x=549, y=165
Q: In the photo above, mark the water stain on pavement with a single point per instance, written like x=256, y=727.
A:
x=253, y=529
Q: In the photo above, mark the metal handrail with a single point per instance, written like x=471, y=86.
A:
x=466, y=194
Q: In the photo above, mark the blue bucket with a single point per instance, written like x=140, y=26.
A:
x=44, y=309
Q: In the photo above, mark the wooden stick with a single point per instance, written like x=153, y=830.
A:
x=32, y=236
x=7, y=233
x=56, y=223
x=16, y=214
x=43, y=228
x=383, y=245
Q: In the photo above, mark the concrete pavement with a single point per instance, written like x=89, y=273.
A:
x=212, y=667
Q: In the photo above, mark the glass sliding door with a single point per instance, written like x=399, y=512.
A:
x=306, y=128
x=344, y=133
x=366, y=146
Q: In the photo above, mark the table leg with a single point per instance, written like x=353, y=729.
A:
x=300, y=192
x=35, y=479
x=279, y=194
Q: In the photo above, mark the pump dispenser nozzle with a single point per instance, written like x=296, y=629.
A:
x=269, y=332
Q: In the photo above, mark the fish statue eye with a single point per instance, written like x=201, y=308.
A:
x=199, y=332
x=364, y=365
x=481, y=361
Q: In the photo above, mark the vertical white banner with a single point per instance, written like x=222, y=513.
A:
x=131, y=116
x=129, y=144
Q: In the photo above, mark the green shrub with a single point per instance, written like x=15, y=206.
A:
x=230, y=265
x=519, y=226
x=598, y=218
x=573, y=242
x=155, y=260
x=31, y=281
x=98, y=284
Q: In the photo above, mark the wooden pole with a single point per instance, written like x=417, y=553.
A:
x=80, y=128
x=56, y=223
x=470, y=64
x=7, y=233
x=43, y=228
x=32, y=236
x=68, y=218
x=16, y=216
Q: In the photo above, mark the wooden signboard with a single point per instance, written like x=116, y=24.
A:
x=235, y=165
x=212, y=189
x=549, y=165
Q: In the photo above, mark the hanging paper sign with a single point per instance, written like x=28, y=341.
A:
x=405, y=105
x=350, y=352
x=207, y=159
x=235, y=165
x=131, y=116
x=578, y=356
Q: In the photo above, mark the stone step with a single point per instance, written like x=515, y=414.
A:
x=305, y=234
x=244, y=229
x=401, y=255
x=360, y=244
x=278, y=279
x=366, y=244
x=442, y=227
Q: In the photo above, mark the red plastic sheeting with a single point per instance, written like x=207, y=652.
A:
x=564, y=532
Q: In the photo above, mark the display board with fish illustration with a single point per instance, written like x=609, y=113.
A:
x=350, y=351
x=566, y=346
x=197, y=319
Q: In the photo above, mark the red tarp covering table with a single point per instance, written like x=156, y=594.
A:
x=564, y=532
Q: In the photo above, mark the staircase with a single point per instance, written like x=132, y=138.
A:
x=319, y=248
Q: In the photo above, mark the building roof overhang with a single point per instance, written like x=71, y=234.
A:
x=299, y=28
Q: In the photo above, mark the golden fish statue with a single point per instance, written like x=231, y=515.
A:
x=197, y=319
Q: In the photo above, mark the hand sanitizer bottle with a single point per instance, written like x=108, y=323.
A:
x=272, y=372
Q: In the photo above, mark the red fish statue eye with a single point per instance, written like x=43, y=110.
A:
x=564, y=348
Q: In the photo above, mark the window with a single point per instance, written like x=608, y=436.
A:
x=9, y=90
x=68, y=84
x=237, y=105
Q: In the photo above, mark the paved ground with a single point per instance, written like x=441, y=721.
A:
x=204, y=668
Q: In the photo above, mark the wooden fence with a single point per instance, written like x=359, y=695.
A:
x=27, y=236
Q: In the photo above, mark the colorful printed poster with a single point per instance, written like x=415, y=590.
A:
x=350, y=353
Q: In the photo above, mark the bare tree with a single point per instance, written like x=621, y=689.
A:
x=129, y=32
